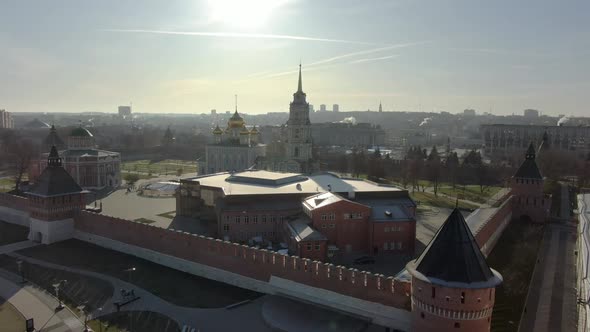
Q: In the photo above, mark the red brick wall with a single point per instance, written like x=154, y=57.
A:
x=14, y=202
x=403, y=232
x=352, y=232
x=247, y=261
x=483, y=234
x=316, y=250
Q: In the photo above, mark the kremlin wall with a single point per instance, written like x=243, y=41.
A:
x=385, y=300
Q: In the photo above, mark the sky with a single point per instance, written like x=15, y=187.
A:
x=193, y=56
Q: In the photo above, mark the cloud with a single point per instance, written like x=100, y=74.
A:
x=240, y=35
x=374, y=59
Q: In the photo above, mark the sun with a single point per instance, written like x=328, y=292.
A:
x=243, y=14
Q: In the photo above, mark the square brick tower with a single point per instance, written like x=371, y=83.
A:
x=529, y=202
x=53, y=201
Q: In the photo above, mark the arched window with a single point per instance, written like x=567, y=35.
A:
x=296, y=152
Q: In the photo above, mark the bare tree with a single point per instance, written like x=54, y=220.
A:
x=21, y=152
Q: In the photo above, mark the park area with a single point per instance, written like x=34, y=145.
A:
x=152, y=168
x=174, y=286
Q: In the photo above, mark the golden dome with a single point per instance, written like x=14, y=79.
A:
x=254, y=130
x=244, y=131
x=217, y=130
x=235, y=121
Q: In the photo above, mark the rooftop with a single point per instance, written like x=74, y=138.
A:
x=323, y=199
x=302, y=231
x=257, y=182
x=453, y=256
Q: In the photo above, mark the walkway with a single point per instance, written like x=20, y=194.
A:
x=249, y=315
x=551, y=302
x=34, y=303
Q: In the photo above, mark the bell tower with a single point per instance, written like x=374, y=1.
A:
x=299, y=142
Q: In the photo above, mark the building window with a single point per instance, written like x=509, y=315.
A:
x=462, y=297
x=237, y=219
x=264, y=219
x=332, y=225
x=324, y=225
x=422, y=315
x=227, y=218
x=457, y=325
x=392, y=245
x=386, y=229
x=308, y=246
x=324, y=216
x=332, y=216
x=226, y=227
x=347, y=216
x=273, y=219
x=385, y=246
x=433, y=292
x=254, y=219
x=281, y=219
x=246, y=219
x=399, y=245
x=317, y=246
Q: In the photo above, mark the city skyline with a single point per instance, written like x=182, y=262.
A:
x=191, y=57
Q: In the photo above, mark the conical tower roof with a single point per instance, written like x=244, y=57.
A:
x=53, y=139
x=54, y=180
x=529, y=169
x=453, y=256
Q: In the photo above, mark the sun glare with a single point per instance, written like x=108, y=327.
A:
x=243, y=14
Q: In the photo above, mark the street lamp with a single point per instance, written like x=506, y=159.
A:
x=19, y=263
x=81, y=308
x=131, y=269
x=57, y=286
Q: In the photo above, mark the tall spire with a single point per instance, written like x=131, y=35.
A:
x=236, y=102
x=299, y=85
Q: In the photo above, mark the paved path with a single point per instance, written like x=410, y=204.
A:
x=551, y=302
x=247, y=316
x=34, y=303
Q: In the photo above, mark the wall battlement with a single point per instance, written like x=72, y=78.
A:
x=251, y=262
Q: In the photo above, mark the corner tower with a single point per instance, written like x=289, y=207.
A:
x=453, y=288
x=53, y=201
x=298, y=141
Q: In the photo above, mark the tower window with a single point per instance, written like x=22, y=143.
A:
x=422, y=315
x=462, y=297
x=433, y=292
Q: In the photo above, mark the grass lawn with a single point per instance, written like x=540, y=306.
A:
x=10, y=233
x=12, y=320
x=6, y=184
x=171, y=285
x=525, y=239
x=145, y=321
x=470, y=192
x=76, y=290
x=168, y=166
x=439, y=201
x=141, y=176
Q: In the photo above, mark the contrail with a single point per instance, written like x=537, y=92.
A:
x=241, y=35
x=315, y=65
x=374, y=59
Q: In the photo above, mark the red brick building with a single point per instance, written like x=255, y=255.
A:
x=306, y=214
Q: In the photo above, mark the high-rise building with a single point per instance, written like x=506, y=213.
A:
x=311, y=110
x=380, y=108
x=531, y=113
x=6, y=120
x=125, y=111
x=469, y=112
x=335, y=108
x=322, y=107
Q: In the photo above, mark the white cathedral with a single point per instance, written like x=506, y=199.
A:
x=236, y=148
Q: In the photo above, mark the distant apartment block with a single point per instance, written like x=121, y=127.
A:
x=6, y=120
x=335, y=108
x=347, y=134
x=322, y=107
x=531, y=113
x=125, y=111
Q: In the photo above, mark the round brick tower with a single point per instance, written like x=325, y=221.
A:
x=453, y=287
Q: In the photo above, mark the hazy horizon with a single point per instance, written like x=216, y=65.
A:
x=194, y=56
